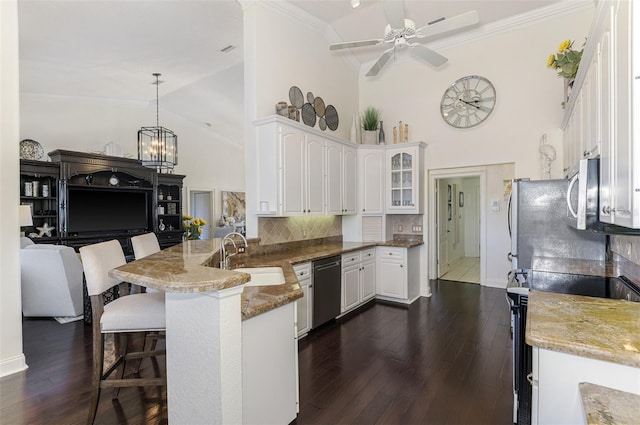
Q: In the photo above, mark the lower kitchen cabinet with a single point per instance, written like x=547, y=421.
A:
x=398, y=274
x=269, y=367
x=304, y=305
x=555, y=392
x=358, y=278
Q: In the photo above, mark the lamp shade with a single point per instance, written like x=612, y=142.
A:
x=25, y=216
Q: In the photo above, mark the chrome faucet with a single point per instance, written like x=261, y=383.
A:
x=224, y=255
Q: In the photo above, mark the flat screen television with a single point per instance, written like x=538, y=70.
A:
x=107, y=210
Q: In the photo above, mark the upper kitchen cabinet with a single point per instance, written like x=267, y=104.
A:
x=302, y=171
x=600, y=113
x=371, y=168
x=341, y=178
x=405, y=175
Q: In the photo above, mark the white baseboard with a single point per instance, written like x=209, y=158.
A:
x=12, y=365
x=495, y=283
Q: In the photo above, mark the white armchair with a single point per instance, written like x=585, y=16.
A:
x=51, y=281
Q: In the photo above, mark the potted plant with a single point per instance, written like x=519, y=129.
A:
x=566, y=61
x=370, y=120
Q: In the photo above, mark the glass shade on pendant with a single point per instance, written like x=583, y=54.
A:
x=158, y=148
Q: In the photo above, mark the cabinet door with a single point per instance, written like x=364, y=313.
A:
x=606, y=111
x=402, y=180
x=349, y=180
x=334, y=178
x=368, y=280
x=392, y=278
x=315, y=176
x=372, y=181
x=350, y=287
x=292, y=145
x=304, y=306
x=623, y=142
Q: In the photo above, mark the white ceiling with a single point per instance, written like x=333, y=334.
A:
x=110, y=49
x=368, y=20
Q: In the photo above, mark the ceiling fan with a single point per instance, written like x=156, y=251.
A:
x=402, y=33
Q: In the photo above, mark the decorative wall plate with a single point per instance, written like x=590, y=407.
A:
x=308, y=115
x=295, y=97
x=30, y=149
x=331, y=115
x=318, y=104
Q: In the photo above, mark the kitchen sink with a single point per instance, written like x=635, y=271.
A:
x=263, y=276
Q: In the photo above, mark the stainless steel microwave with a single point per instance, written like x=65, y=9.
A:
x=583, y=196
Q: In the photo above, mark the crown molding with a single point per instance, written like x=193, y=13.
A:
x=512, y=23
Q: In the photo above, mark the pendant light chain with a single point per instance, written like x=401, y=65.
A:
x=157, y=103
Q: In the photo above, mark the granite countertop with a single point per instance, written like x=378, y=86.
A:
x=606, y=406
x=186, y=268
x=597, y=328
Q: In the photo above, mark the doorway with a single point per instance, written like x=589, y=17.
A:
x=201, y=205
x=458, y=223
x=456, y=242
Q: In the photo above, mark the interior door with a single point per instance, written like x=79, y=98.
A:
x=441, y=225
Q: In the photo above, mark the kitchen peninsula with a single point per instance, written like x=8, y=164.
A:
x=580, y=340
x=208, y=314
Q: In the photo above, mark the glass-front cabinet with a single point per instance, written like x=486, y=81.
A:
x=404, y=178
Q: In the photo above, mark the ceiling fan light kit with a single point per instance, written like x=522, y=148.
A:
x=401, y=33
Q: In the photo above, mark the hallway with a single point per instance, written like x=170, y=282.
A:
x=465, y=269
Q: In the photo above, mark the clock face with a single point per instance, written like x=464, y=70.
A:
x=468, y=101
x=114, y=180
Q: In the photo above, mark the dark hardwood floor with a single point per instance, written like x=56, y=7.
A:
x=442, y=360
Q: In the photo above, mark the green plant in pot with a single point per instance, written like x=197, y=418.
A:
x=370, y=120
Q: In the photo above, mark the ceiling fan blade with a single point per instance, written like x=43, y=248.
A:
x=350, y=44
x=434, y=58
x=380, y=63
x=449, y=24
x=394, y=12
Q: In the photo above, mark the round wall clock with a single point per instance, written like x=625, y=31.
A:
x=114, y=180
x=468, y=101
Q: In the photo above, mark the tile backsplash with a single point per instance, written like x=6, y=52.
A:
x=273, y=230
x=407, y=221
x=627, y=246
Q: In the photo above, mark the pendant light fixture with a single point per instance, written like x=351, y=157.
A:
x=158, y=146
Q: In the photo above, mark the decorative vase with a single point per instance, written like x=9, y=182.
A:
x=358, y=129
x=161, y=226
x=568, y=85
x=370, y=137
x=381, y=135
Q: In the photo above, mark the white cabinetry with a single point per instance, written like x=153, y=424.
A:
x=301, y=171
x=600, y=115
x=269, y=367
x=358, y=278
x=304, y=305
x=556, y=376
x=398, y=274
x=341, y=172
x=404, y=169
x=371, y=168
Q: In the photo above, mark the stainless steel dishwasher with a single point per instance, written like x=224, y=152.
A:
x=327, y=276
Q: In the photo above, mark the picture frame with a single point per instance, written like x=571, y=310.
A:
x=461, y=199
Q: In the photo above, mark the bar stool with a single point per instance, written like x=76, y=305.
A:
x=143, y=246
x=124, y=315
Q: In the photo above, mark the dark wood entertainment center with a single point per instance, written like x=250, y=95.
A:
x=93, y=175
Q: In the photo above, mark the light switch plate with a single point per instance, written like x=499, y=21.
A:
x=416, y=228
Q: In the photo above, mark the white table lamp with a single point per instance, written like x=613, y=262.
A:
x=25, y=217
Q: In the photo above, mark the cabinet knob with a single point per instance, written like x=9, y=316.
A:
x=606, y=209
x=401, y=265
x=363, y=210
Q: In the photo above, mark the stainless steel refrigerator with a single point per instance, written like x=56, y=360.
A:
x=540, y=225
